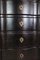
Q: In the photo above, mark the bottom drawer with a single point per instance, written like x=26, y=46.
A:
x=21, y=54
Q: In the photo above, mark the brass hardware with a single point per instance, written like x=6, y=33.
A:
x=21, y=39
x=21, y=55
x=21, y=23
x=21, y=7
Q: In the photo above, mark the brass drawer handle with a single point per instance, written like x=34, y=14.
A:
x=21, y=39
x=21, y=23
x=21, y=7
x=21, y=55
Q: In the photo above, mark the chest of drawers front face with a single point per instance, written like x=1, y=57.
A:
x=20, y=30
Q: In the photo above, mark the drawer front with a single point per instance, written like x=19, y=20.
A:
x=15, y=55
x=20, y=39
x=20, y=54
x=16, y=24
x=20, y=7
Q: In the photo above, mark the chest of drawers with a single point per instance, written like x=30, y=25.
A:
x=19, y=30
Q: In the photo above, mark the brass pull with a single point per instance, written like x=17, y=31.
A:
x=21, y=39
x=21, y=55
x=21, y=23
x=21, y=7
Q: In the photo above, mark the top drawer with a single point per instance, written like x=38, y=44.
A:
x=20, y=7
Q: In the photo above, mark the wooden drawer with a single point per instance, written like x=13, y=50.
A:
x=19, y=39
x=16, y=24
x=20, y=54
x=20, y=7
